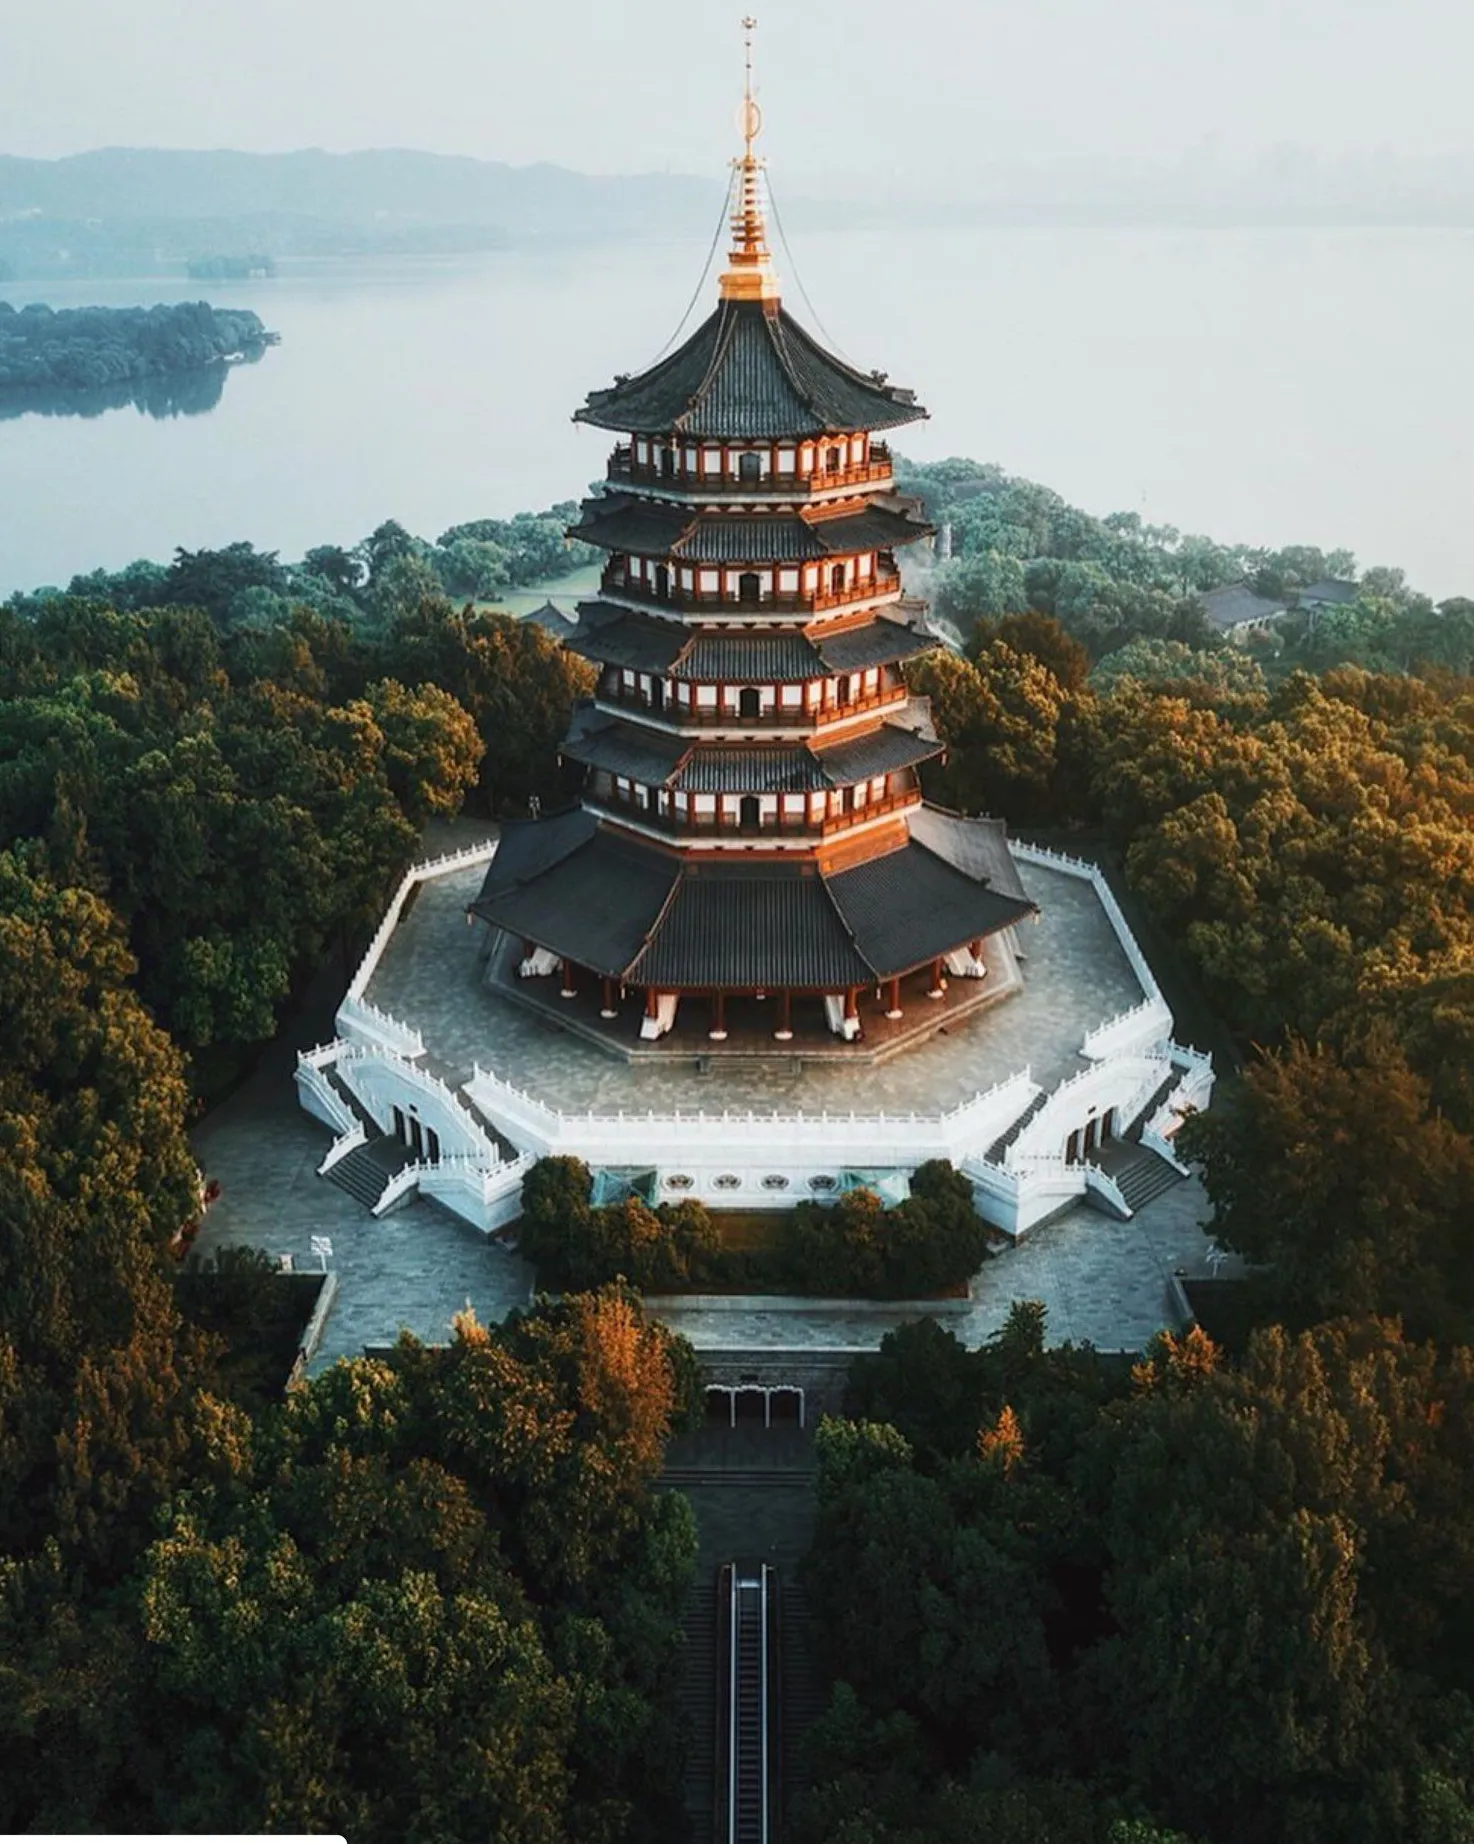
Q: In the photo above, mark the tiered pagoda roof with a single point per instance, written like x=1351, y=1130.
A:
x=750, y=370
x=752, y=816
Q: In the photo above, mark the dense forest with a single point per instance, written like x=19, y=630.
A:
x=86, y=348
x=1066, y=1598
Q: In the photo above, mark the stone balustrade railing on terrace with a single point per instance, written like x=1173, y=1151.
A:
x=417, y=874
x=824, y=1138
x=1080, y=867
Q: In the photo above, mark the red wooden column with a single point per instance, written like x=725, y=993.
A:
x=609, y=1009
x=652, y=1003
x=718, y=1031
x=569, y=991
x=784, y=1033
x=893, y=999
x=938, y=984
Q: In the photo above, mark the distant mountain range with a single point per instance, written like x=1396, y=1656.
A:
x=138, y=211
x=126, y=210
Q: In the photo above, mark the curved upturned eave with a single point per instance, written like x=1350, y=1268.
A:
x=746, y=374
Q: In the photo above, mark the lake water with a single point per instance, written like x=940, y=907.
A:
x=1261, y=386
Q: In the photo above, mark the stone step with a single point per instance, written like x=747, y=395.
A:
x=360, y=1175
x=698, y=1698
x=1140, y=1174
x=995, y=1152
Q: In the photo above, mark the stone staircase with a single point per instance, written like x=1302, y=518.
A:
x=995, y=1152
x=805, y=1689
x=1140, y=1174
x=365, y=1171
x=698, y=1699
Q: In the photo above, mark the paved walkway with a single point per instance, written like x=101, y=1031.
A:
x=1102, y=1282
x=417, y=1267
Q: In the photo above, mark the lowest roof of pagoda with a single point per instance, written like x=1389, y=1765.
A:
x=750, y=370
x=633, y=912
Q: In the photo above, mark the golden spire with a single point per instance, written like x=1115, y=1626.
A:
x=749, y=275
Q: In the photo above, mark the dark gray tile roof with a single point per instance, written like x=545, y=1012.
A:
x=530, y=847
x=645, y=755
x=751, y=926
x=748, y=372
x=907, y=738
x=1235, y=604
x=553, y=620
x=628, y=910
x=751, y=771
x=878, y=643
x=617, y=638
x=976, y=847
x=750, y=659
x=596, y=906
x=649, y=529
x=1333, y=589
x=910, y=906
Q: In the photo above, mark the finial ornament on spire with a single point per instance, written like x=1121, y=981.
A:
x=749, y=275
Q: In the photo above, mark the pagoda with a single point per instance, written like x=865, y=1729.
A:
x=751, y=821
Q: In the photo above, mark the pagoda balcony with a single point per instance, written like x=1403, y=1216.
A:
x=701, y=483
x=617, y=582
x=777, y=826
x=680, y=717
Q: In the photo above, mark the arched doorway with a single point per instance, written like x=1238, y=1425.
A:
x=662, y=581
x=749, y=702
x=749, y=469
x=750, y=813
x=748, y=588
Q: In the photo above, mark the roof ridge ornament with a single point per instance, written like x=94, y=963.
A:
x=749, y=274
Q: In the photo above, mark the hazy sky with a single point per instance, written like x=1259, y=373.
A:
x=921, y=89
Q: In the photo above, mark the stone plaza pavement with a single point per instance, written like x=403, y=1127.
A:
x=1075, y=978
x=416, y=1267
x=1100, y=1280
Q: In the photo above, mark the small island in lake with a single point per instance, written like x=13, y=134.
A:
x=45, y=350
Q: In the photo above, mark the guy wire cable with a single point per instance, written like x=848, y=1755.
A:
x=705, y=271
x=798, y=277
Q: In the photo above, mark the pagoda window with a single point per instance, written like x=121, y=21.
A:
x=872, y=681
x=749, y=586
x=642, y=452
x=791, y=697
x=749, y=467
x=833, y=460
x=662, y=582
x=837, y=576
x=690, y=460
x=806, y=458
x=793, y=806
x=711, y=582
x=704, y=805
x=866, y=565
x=706, y=697
x=811, y=578
x=749, y=813
x=877, y=788
x=711, y=460
x=749, y=702
x=858, y=796
x=668, y=463
x=788, y=582
x=786, y=460
x=857, y=450
x=626, y=679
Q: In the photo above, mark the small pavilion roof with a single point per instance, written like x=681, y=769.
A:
x=750, y=370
